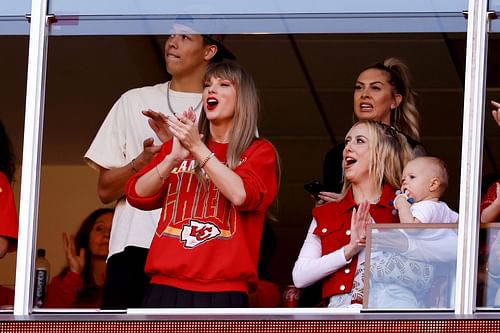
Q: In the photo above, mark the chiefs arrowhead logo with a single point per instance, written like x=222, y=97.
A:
x=196, y=233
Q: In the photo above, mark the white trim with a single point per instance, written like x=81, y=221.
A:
x=472, y=158
x=32, y=146
x=244, y=311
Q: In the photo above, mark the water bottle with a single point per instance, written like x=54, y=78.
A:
x=42, y=272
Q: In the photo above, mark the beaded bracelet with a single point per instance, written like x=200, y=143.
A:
x=202, y=164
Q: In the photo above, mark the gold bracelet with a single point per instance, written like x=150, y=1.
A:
x=159, y=174
x=202, y=164
x=133, y=165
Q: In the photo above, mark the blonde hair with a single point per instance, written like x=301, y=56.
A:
x=389, y=152
x=405, y=117
x=246, y=109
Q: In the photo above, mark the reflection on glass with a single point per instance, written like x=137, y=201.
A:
x=13, y=97
x=421, y=276
x=488, y=291
x=9, y=224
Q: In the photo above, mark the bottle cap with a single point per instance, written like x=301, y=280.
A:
x=40, y=253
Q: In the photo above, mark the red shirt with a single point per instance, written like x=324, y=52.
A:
x=489, y=197
x=64, y=291
x=6, y=297
x=203, y=242
x=8, y=216
x=333, y=224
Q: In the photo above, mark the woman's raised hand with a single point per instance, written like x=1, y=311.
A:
x=359, y=220
x=76, y=262
x=185, y=132
x=185, y=129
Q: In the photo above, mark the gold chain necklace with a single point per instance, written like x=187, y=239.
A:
x=170, y=105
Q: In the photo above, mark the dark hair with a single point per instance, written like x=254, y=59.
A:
x=222, y=51
x=82, y=239
x=7, y=157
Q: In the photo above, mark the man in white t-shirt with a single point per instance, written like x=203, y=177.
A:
x=126, y=142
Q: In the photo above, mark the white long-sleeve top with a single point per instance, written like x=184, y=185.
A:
x=311, y=266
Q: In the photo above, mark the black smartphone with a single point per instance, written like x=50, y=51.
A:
x=314, y=188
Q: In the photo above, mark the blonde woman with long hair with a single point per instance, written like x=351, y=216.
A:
x=333, y=251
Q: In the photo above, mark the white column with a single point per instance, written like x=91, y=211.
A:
x=472, y=157
x=32, y=147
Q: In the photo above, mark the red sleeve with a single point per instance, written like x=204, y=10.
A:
x=154, y=201
x=62, y=292
x=6, y=296
x=490, y=196
x=258, y=172
x=8, y=216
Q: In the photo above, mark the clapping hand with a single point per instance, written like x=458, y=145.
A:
x=185, y=133
x=184, y=128
x=158, y=123
x=359, y=221
x=76, y=262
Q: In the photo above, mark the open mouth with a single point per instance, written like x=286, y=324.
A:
x=348, y=161
x=364, y=106
x=212, y=103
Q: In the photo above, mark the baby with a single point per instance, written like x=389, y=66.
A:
x=425, y=179
x=399, y=281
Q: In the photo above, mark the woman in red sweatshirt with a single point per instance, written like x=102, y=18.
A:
x=214, y=184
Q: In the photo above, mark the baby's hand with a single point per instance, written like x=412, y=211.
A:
x=399, y=196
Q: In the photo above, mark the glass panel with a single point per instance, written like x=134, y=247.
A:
x=308, y=51
x=13, y=96
x=490, y=210
x=412, y=266
x=287, y=23
x=488, y=291
x=494, y=5
x=152, y=7
x=154, y=17
x=15, y=7
x=13, y=17
x=83, y=84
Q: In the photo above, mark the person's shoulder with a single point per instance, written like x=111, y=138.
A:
x=158, y=88
x=258, y=144
x=262, y=142
x=440, y=209
x=430, y=203
x=4, y=181
x=340, y=206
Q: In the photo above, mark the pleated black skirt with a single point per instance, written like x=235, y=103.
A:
x=161, y=296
